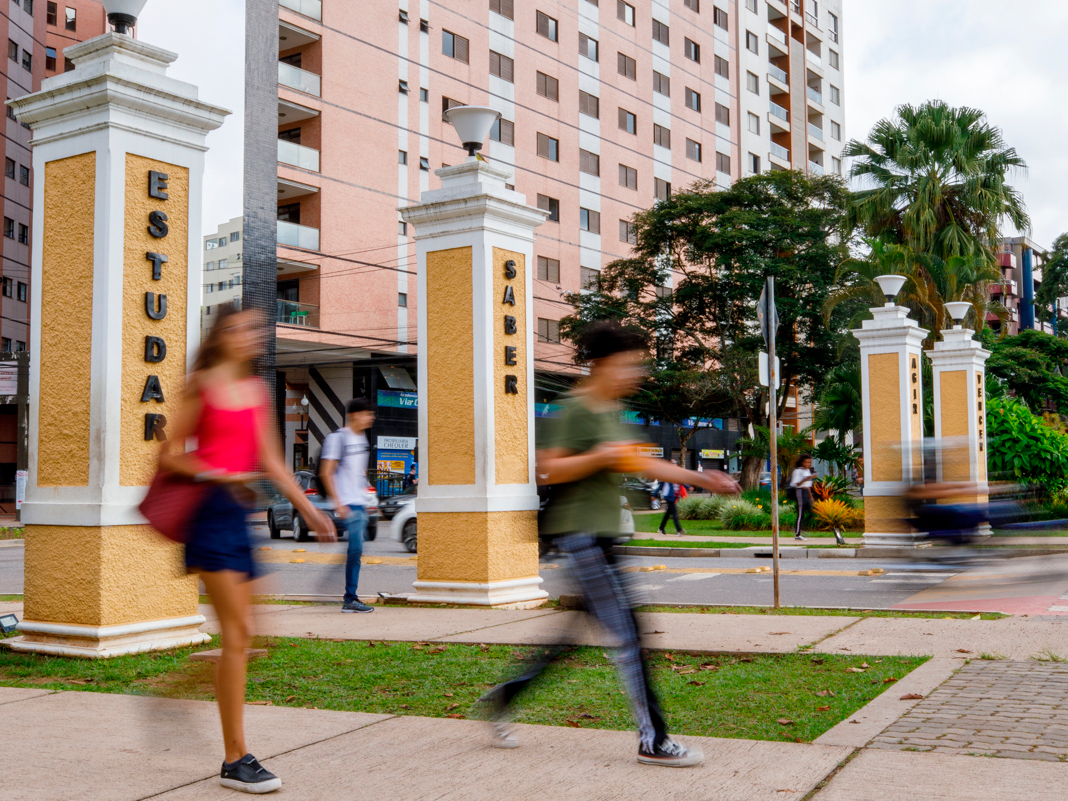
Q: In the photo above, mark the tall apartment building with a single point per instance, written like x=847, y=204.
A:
x=222, y=271
x=1021, y=262
x=606, y=105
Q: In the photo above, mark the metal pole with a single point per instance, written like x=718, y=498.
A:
x=773, y=404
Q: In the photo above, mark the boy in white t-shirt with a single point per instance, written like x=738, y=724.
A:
x=344, y=476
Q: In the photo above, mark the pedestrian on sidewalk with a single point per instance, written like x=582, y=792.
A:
x=671, y=494
x=343, y=471
x=587, y=453
x=226, y=408
x=801, y=480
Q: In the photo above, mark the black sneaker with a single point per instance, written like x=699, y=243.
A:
x=248, y=776
x=670, y=754
x=356, y=606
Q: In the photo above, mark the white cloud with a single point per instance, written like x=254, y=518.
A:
x=209, y=37
x=996, y=56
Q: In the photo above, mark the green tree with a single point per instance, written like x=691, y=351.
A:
x=1023, y=448
x=1054, y=285
x=789, y=447
x=840, y=408
x=1032, y=366
x=937, y=180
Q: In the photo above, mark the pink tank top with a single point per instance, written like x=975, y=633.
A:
x=228, y=439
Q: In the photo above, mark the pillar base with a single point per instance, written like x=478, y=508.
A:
x=896, y=539
x=522, y=593
x=105, y=642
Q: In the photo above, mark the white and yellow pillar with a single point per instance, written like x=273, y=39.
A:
x=118, y=158
x=892, y=392
x=477, y=505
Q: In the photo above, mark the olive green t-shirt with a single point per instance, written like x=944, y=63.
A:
x=591, y=504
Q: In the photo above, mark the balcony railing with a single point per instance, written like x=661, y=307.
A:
x=780, y=152
x=776, y=34
x=309, y=8
x=778, y=73
x=293, y=313
x=307, y=158
x=779, y=111
x=814, y=168
x=813, y=59
x=301, y=80
x=811, y=19
x=815, y=131
x=815, y=96
x=298, y=236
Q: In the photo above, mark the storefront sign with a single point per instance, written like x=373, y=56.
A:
x=650, y=450
x=155, y=308
x=396, y=443
x=398, y=400
x=712, y=454
x=9, y=379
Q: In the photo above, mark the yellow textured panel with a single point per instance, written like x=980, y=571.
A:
x=954, y=398
x=63, y=434
x=477, y=546
x=510, y=411
x=449, y=349
x=104, y=576
x=138, y=459
x=884, y=401
x=884, y=515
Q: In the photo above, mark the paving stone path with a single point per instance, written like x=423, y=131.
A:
x=990, y=708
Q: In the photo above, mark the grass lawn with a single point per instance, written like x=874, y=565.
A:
x=817, y=612
x=685, y=544
x=649, y=524
x=10, y=533
x=11, y=598
x=789, y=697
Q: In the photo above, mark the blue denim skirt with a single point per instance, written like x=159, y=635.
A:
x=220, y=536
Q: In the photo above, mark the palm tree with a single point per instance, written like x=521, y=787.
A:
x=937, y=181
x=964, y=278
x=840, y=408
x=855, y=278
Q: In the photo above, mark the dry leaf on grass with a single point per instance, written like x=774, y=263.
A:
x=448, y=695
x=573, y=724
x=889, y=679
x=825, y=693
x=822, y=708
x=854, y=670
x=784, y=721
x=290, y=698
x=697, y=683
x=451, y=706
x=457, y=716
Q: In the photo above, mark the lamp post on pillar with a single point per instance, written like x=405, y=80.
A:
x=892, y=395
x=477, y=502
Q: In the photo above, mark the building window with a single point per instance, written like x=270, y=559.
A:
x=832, y=58
x=548, y=269
x=209, y=266
x=19, y=346
x=719, y=17
x=661, y=84
x=628, y=177
x=455, y=46
x=546, y=26
x=503, y=131
x=590, y=279
x=402, y=300
x=235, y=236
x=424, y=26
x=836, y=165
x=589, y=163
x=548, y=148
x=27, y=60
x=211, y=244
x=752, y=43
x=754, y=123
x=68, y=65
x=209, y=288
x=836, y=95
x=693, y=50
x=548, y=86
x=625, y=12
x=587, y=47
x=660, y=32
x=832, y=29
x=9, y=168
x=627, y=233
x=661, y=136
x=402, y=157
x=752, y=83
x=8, y=287
x=402, y=228
x=626, y=66
x=551, y=205
x=402, y=86
x=754, y=163
x=24, y=172
x=503, y=7
x=723, y=67
x=548, y=330
x=403, y=16
x=723, y=114
x=24, y=234
x=50, y=58
x=9, y=228
x=223, y=263
x=72, y=19
x=12, y=51
x=51, y=14
x=424, y=95
x=693, y=5
x=589, y=105
x=751, y=5
x=662, y=188
x=5, y=344
x=11, y=113
x=27, y=6
x=723, y=163
x=628, y=122
x=590, y=221
x=693, y=150
x=424, y=163
x=20, y=291
x=446, y=104
x=693, y=99
x=502, y=66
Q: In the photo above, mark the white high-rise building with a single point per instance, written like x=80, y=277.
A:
x=222, y=271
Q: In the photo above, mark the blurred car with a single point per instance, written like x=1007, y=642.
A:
x=641, y=493
x=281, y=516
x=388, y=508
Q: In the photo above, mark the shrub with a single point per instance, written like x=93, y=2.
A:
x=738, y=514
x=688, y=507
x=700, y=508
x=832, y=514
x=1022, y=448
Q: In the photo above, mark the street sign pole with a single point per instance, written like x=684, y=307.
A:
x=773, y=431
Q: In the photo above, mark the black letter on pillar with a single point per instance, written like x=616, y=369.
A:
x=153, y=391
x=157, y=224
x=511, y=385
x=509, y=324
x=158, y=260
x=508, y=296
x=154, y=310
x=509, y=269
x=157, y=184
x=155, y=350
x=509, y=355
x=155, y=425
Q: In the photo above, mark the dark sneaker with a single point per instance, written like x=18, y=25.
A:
x=661, y=531
x=248, y=776
x=670, y=754
x=356, y=606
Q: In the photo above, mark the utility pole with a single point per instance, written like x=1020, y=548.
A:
x=773, y=432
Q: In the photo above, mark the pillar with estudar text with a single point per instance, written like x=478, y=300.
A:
x=477, y=504
x=119, y=158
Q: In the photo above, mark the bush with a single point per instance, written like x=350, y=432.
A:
x=1023, y=448
x=833, y=514
x=738, y=514
x=700, y=507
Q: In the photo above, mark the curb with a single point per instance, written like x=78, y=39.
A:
x=12, y=543
x=796, y=552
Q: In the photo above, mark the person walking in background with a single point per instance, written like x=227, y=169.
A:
x=671, y=494
x=587, y=453
x=411, y=478
x=344, y=476
x=801, y=480
x=225, y=407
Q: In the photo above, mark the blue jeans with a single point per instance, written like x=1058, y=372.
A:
x=355, y=527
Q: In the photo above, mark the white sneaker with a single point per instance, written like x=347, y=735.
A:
x=503, y=736
x=671, y=754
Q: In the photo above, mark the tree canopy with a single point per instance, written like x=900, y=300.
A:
x=1032, y=365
